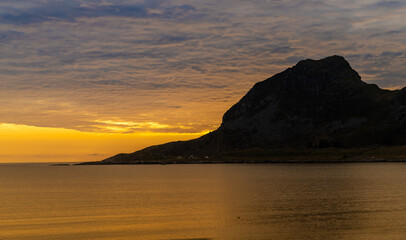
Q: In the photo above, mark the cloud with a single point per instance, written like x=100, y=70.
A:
x=72, y=10
x=176, y=62
x=386, y=33
x=9, y=35
x=157, y=85
x=388, y=4
x=117, y=126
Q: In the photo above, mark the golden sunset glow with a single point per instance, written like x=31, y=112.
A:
x=21, y=143
x=102, y=77
x=152, y=125
x=202, y=119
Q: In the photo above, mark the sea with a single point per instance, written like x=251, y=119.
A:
x=200, y=202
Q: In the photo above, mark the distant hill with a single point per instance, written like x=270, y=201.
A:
x=317, y=110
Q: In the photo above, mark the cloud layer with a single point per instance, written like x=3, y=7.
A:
x=93, y=65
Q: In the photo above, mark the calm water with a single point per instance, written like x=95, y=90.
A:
x=275, y=201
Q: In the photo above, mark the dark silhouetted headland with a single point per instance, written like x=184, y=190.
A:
x=316, y=111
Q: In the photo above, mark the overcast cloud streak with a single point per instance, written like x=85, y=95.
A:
x=85, y=64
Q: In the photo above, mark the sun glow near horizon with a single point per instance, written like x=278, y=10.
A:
x=23, y=143
x=129, y=74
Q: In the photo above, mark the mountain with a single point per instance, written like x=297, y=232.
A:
x=317, y=110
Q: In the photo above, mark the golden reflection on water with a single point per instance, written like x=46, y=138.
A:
x=313, y=201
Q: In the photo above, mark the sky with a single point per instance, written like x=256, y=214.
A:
x=81, y=80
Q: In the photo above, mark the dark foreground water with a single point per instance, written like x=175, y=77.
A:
x=274, y=201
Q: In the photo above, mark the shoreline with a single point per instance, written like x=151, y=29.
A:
x=264, y=156
x=249, y=162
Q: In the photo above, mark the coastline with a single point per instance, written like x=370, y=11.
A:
x=247, y=162
x=290, y=155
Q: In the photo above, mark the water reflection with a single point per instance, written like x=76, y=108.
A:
x=313, y=201
x=347, y=201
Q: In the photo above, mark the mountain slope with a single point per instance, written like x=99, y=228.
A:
x=314, y=105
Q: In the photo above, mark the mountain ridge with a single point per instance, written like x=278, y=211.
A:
x=310, y=107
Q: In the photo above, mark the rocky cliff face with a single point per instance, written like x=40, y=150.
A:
x=315, y=104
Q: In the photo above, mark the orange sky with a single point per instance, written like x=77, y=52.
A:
x=82, y=80
x=20, y=143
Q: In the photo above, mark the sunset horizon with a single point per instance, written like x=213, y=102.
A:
x=82, y=80
x=202, y=120
x=35, y=144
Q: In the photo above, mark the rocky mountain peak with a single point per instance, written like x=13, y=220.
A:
x=309, y=81
x=328, y=63
x=313, y=105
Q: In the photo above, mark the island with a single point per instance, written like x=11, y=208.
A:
x=315, y=111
